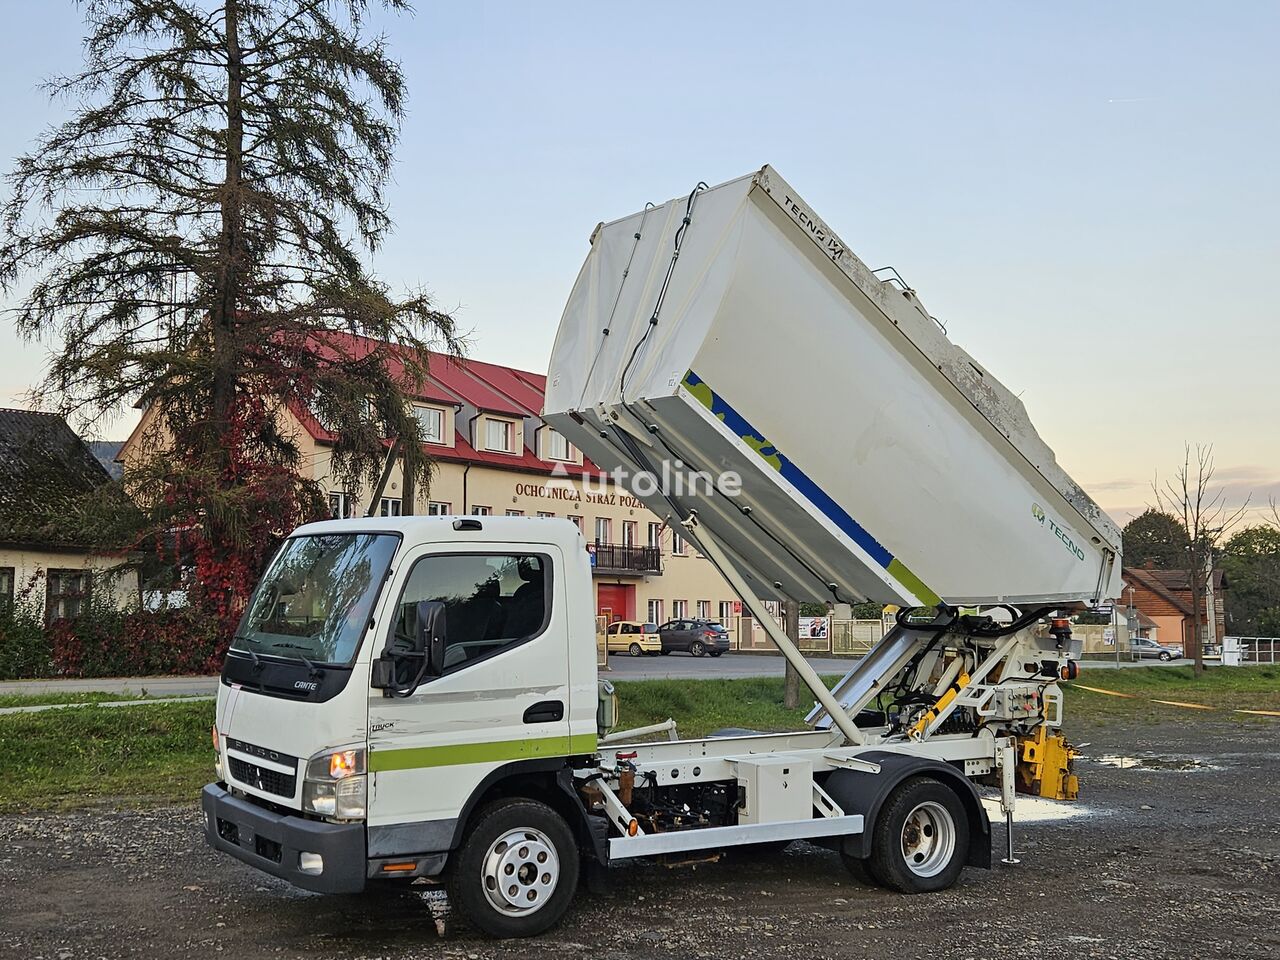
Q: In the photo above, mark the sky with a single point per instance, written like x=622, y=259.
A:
x=1086, y=194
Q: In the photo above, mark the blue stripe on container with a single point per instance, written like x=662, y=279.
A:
x=798, y=478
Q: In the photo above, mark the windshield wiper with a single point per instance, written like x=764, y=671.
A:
x=253, y=655
x=315, y=669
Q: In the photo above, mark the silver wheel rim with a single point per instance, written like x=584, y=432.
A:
x=928, y=839
x=520, y=872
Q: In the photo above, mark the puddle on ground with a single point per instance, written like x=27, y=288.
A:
x=1183, y=763
x=1037, y=809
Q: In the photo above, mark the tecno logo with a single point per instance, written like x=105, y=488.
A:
x=1043, y=519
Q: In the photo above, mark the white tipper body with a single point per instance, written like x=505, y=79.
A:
x=874, y=454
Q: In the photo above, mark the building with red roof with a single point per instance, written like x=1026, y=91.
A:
x=494, y=456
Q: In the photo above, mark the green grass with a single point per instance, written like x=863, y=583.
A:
x=145, y=755
x=84, y=696
x=1223, y=688
x=701, y=706
x=159, y=753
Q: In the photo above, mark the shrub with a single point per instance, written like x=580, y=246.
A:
x=24, y=647
x=135, y=643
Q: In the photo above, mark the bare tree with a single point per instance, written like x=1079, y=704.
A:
x=1202, y=509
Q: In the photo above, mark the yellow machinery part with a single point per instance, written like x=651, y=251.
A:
x=943, y=702
x=1045, y=766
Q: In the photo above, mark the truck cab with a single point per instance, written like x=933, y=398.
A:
x=387, y=676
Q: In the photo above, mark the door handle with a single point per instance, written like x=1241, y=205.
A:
x=545, y=711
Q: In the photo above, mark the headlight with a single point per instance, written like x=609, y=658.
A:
x=217, y=754
x=335, y=785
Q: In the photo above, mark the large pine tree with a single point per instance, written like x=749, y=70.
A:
x=190, y=237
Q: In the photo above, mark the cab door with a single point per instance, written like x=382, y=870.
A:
x=502, y=699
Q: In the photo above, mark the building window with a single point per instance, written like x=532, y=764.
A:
x=545, y=515
x=438, y=508
x=389, y=507
x=340, y=505
x=431, y=421
x=655, y=611
x=576, y=521
x=655, y=535
x=515, y=513
x=628, y=533
x=497, y=435
x=602, y=529
x=66, y=593
x=481, y=511
x=677, y=543
x=6, y=586
x=726, y=611
x=679, y=609
x=556, y=447
x=704, y=609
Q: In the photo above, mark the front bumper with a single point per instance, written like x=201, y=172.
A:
x=272, y=842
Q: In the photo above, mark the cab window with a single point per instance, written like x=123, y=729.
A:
x=492, y=601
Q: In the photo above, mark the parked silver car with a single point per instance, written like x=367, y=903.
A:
x=1144, y=649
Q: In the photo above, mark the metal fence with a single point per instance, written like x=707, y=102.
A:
x=1260, y=649
x=818, y=636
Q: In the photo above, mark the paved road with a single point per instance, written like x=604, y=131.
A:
x=130, y=686
x=675, y=667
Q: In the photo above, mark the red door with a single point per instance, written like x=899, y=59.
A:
x=616, y=601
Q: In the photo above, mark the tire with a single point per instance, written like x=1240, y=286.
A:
x=634, y=650
x=666, y=652
x=716, y=653
x=1166, y=656
x=542, y=870
x=697, y=649
x=920, y=838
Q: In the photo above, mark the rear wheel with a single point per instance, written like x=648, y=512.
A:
x=697, y=649
x=920, y=839
x=516, y=871
x=666, y=652
x=635, y=650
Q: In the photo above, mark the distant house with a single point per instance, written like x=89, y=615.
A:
x=44, y=470
x=1164, y=596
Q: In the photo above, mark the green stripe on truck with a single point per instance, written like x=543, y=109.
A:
x=456, y=754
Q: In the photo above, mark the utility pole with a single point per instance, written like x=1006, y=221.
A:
x=791, y=627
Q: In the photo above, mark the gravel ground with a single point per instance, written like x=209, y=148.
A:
x=1180, y=857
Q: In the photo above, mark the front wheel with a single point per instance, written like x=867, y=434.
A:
x=920, y=839
x=697, y=649
x=516, y=871
x=635, y=650
x=1166, y=655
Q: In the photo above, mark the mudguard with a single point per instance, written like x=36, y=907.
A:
x=862, y=792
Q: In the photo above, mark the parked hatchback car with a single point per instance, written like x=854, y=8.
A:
x=696, y=637
x=633, y=637
x=1144, y=648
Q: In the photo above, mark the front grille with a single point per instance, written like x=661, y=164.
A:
x=264, y=778
x=262, y=753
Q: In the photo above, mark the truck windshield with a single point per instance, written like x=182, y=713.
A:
x=314, y=601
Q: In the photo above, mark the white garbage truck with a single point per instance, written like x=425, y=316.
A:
x=417, y=697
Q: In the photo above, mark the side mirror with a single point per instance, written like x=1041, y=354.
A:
x=431, y=636
x=399, y=671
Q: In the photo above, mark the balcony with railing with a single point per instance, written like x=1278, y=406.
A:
x=623, y=560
